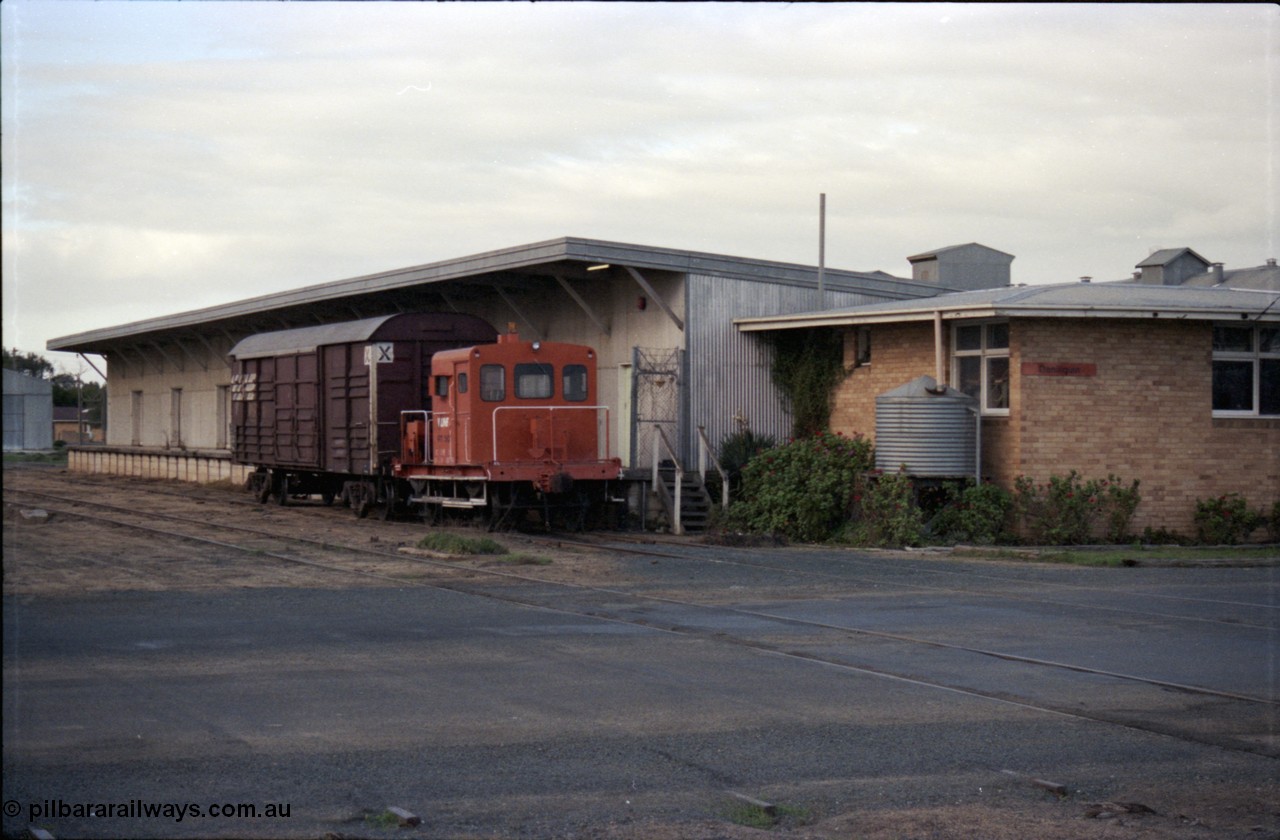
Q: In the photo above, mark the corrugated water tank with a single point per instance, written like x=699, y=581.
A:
x=931, y=430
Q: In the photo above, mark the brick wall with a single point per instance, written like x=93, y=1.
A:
x=1145, y=414
x=899, y=353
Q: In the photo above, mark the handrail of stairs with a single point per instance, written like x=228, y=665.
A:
x=661, y=444
x=705, y=451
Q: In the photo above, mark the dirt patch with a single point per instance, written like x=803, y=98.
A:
x=59, y=553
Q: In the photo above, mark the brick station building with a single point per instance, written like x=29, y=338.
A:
x=1176, y=385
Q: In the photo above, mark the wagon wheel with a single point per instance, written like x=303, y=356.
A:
x=357, y=493
x=327, y=497
x=386, y=510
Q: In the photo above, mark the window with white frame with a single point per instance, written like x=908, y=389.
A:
x=1246, y=371
x=980, y=364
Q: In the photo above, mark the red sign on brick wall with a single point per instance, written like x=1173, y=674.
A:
x=1059, y=369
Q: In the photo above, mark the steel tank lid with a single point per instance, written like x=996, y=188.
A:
x=922, y=388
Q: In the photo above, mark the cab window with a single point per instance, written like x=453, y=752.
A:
x=442, y=387
x=493, y=383
x=533, y=381
x=575, y=383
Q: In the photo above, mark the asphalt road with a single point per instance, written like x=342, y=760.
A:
x=489, y=718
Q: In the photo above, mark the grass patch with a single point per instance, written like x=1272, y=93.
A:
x=1130, y=556
x=58, y=457
x=386, y=819
x=447, y=543
x=755, y=816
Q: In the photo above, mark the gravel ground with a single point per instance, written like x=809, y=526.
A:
x=140, y=668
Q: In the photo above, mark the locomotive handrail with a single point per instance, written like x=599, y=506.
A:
x=661, y=443
x=704, y=449
x=551, y=409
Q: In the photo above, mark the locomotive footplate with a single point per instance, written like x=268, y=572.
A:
x=461, y=494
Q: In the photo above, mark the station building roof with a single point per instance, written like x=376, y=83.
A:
x=1063, y=300
x=441, y=283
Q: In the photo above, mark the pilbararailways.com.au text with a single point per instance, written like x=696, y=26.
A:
x=137, y=809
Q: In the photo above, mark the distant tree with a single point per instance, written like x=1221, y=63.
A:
x=32, y=364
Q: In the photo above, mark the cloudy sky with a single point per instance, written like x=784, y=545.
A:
x=163, y=156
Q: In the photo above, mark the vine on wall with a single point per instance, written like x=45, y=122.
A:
x=807, y=365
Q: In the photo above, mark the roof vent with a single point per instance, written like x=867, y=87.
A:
x=1217, y=273
x=1272, y=262
x=1086, y=279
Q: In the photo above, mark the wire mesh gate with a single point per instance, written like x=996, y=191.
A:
x=655, y=400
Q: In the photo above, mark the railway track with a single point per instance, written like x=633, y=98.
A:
x=766, y=632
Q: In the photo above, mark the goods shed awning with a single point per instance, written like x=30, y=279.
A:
x=551, y=266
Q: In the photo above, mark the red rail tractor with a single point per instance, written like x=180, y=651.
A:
x=513, y=426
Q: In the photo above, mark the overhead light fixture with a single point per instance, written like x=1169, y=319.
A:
x=600, y=267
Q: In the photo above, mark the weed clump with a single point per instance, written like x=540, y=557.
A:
x=447, y=543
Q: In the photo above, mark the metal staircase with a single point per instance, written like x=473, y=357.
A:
x=683, y=494
x=695, y=502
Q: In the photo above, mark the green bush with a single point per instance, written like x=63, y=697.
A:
x=1063, y=510
x=1225, y=519
x=887, y=513
x=1119, y=504
x=1163, y=536
x=975, y=514
x=1273, y=524
x=738, y=448
x=803, y=490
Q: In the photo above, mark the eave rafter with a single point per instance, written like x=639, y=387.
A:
x=582, y=303
x=653, y=294
x=533, y=331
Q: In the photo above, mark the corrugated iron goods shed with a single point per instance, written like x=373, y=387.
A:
x=661, y=320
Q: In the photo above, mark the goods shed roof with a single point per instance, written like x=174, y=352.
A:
x=568, y=258
x=1066, y=300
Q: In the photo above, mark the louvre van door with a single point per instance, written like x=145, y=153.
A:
x=346, y=409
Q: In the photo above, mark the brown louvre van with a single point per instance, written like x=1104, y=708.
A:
x=311, y=400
